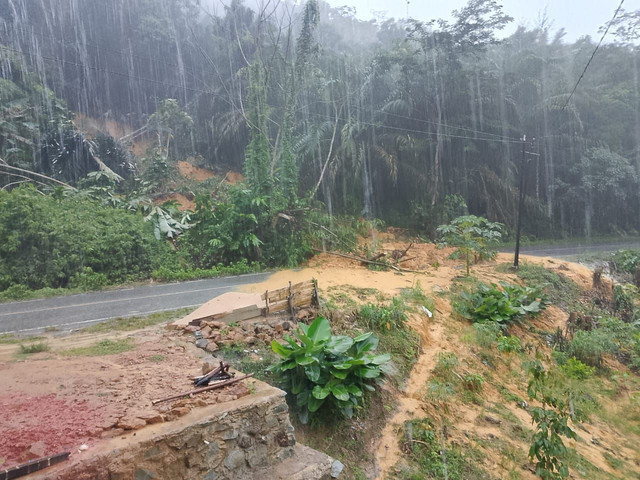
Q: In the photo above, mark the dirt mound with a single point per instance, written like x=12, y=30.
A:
x=232, y=177
x=189, y=170
x=185, y=203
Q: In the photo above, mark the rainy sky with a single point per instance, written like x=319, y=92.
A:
x=578, y=17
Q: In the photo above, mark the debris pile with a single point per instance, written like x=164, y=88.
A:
x=236, y=319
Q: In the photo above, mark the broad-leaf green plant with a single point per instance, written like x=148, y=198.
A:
x=502, y=304
x=329, y=372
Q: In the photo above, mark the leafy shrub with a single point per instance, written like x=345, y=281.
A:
x=473, y=382
x=17, y=292
x=551, y=420
x=623, y=302
x=509, y=344
x=34, y=348
x=87, y=279
x=560, y=290
x=46, y=239
x=492, y=304
x=625, y=261
x=377, y=317
x=472, y=236
x=241, y=224
x=330, y=371
x=574, y=368
x=177, y=273
x=388, y=323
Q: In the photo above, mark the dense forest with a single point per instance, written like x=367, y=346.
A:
x=327, y=116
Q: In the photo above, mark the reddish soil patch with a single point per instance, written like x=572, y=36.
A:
x=53, y=402
x=34, y=427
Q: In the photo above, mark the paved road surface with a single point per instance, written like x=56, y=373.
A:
x=561, y=251
x=77, y=311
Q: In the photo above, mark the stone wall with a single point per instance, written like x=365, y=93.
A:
x=223, y=441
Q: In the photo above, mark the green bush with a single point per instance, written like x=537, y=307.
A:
x=574, y=368
x=473, y=382
x=241, y=224
x=560, y=290
x=623, y=302
x=509, y=344
x=625, y=261
x=590, y=347
x=505, y=305
x=328, y=371
x=34, y=348
x=177, y=273
x=428, y=460
x=87, y=279
x=47, y=239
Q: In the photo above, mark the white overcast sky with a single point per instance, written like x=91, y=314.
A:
x=578, y=17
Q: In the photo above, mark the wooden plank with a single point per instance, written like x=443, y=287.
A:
x=303, y=301
x=277, y=295
x=301, y=284
x=283, y=293
x=238, y=316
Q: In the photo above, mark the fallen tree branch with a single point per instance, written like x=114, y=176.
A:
x=200, y=390
x=406, y=259
x=371, y=262
x=29, y=172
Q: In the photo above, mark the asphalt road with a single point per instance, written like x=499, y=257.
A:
x=561, y=251
x=77, y=311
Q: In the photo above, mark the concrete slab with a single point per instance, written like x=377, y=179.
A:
x=223, y=306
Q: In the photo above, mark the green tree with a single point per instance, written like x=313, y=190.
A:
x=170, y=122
x=472, y=236
x=551, y=420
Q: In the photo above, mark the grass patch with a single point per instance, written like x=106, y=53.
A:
x=424, y=443
x=156, y=358
x=613, y=462
x=136, y=323
x=103, y=347
x=415, y=295
x=584, y=467
x=34, y=348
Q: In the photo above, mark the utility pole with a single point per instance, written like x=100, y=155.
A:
x=516, y=259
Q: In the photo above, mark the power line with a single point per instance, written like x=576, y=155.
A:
x=497, y=136
x=418, y=131
x=594, y=53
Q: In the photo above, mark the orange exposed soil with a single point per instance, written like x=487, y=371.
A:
x=445, y=333
x=189, y=170
x=185, y=203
